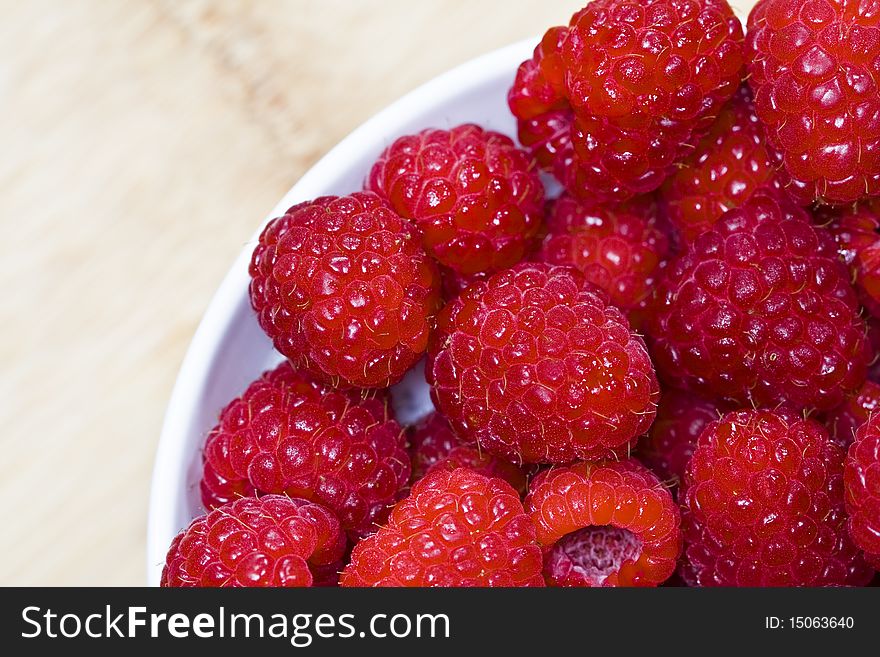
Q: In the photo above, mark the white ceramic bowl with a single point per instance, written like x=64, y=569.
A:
x=229, y=349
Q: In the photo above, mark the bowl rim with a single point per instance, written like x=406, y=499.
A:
x=370, y=135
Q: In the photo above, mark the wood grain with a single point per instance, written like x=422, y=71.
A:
x=140, y=145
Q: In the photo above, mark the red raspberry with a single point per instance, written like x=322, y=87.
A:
x=845, y=420
x=434, y=445
x=760, y=310
x=637, y=82
x=538, y=100
x=858, y=242
x=342, y=287
x=619, y=250
x=681, y=418
x=291, y=434
x=729, y=164
x=812, y=68
x=534, y=366
x=457, y=528
x=473, y=194
x=862, y=482
x=270, y=541
x=763, y=505
x=610, y=523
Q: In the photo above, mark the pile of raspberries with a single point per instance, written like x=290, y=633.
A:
x=666, y=374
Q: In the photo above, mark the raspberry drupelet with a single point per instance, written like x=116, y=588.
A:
x=669, y=444
x=619, y=249
x=434, y=445
x=609, y=523
x=763, y=505
x=475, y=197
x=613, y=101
x=862, y=482
x=289, y=433
x=728, y=165
x=534, y=366
x=845, y=420
x=343, y=288
x=457, y=528
x=858, y=242
x=760, y=310
x=812, y=68
x=268, y=541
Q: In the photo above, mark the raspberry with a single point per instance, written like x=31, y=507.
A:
x=610, y=523
x=453, y=283
x=619, y=250
x=616, y=99
x=858, y=242
x=538, y=100
x=434, y=445
x=681, y=418
x=343, y=289
x=457, y=528
x=729, y=164
x=291, y=434
x=812, y=71
x=874, y=340
x=763, y=505
x=270, y=541
x=216, y=490
x=534, y=366
x=760, y=310
x=844, y=421
x=862, y=482
x=474, y=195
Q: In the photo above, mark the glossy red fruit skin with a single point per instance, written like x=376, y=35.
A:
x=476, y=198
x=291, y=434
x=862, y=482
x=457, y=528
x=812, y=69
x=845, y=420
x=855, y=227
x=621, y=250
x=763, y=505
x=454, y=284
x=603, y=496
x=343, y=288
x=534, y=366
x=434, y=445
x=669, y=444
x=633, y=84
x=728, y=165
x=761, y=311
x=539, y=102
x=268, y=541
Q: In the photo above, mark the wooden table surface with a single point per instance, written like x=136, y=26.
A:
x=141, y=143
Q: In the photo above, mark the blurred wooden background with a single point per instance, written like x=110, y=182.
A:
x=141, y=143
